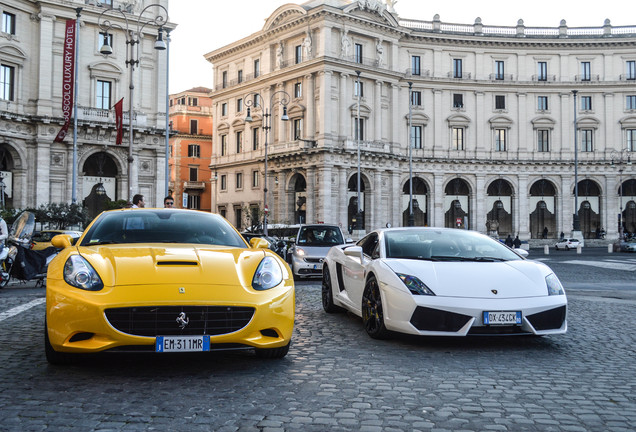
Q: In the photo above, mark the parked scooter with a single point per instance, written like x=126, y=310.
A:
x=17, y=260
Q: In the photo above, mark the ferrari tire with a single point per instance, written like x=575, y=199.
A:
x=372, y=311
x=273, y=353
x=52, y=356
x=327, y=293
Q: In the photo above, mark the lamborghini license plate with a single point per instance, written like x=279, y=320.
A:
x=182, y=343
x=502, y=318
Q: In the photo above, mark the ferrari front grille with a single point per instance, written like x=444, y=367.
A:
x=429, y=319
x=179, y=320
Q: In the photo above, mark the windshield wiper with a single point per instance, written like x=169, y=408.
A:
x=421, y=258
x=482, y=259
x=102, y=242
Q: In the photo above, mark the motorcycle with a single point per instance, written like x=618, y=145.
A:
x=17, y=260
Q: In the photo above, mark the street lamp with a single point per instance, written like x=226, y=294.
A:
x=284, y=100
x=575, y=216
x=411, y=220
x=133, y=39
x=358, y=130
x=620, y=159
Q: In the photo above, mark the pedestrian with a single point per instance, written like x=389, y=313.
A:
x=138, y=201
x=509, y=241
x=562, y=236
x=4, y=232
x=545, y=232
x=168, y=202
x=516, y=242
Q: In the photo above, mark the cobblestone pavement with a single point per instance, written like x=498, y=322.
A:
x=335, y=378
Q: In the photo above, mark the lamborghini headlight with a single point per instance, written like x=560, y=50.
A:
x=268, y=274
x=415, y=285
x=79, y=273
x=554, y=285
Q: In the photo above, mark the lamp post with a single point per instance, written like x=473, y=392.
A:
x=267, y=113
x=575, y=216
x=167, y=166
x=411, y=220
x=620, y=158
x=359, y=203
x=133, y=39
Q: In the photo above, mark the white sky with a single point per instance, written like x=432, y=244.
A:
x=205, y=25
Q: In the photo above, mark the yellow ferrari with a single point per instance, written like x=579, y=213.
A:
x=166, y=281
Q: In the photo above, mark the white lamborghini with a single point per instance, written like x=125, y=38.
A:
x=442, y=282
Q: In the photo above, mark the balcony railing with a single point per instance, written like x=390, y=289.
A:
x=198, y=185
x=91, y=114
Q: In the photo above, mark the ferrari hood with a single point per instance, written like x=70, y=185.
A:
x=509, y=279
x=135, y=264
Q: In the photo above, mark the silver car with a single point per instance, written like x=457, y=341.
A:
x=311, y=247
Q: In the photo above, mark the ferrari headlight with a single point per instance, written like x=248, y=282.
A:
x=80, y=274
x=415, y=285
x=268, y=274
x=554, y=285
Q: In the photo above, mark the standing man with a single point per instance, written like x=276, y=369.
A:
x=168, y=202
x=138, y=201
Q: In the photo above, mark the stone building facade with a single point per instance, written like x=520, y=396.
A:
x=491, y=110
x=36, y=170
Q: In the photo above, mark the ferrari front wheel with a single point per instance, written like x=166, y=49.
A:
x=372, y=311
x=52, y=356
x=327, y=293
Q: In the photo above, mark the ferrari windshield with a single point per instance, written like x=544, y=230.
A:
x=445, y=245
x=323, y=235
x=162, y=226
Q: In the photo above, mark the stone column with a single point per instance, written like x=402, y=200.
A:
x=379, y=212
x=310, y=119
x=325, y=106
x=325, y=212
x=395, y=199
x=343, y=202
x=480, y=208
x=438, y=200
x=377, y=111
x=311, y=195
x=522, y=218
x=343, y=124
x=45, y=82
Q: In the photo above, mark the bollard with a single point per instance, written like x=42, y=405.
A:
x=578, y=249
x=610, y=248
x=546, y=250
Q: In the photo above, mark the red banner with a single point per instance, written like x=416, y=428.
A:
x=68, y=78
x=119, y=121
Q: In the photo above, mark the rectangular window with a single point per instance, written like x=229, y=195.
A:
x=194, y=174
x=358, y=129
x=416, y=98
x=239, y=141
x=499, y=70
x=415, y=65
x=631, y=139
x=297, y=129
x=587, y=136
x=257, y=100
x=224, y=79
x=7, y=82
x=194, y=150
x=500, y=140
x=194, y=127
x=458, y=138
x=542, y=103
x=255, y=176
x=223, y=145
x=192, y=101
x=194, y=202
x=500, y=102
x=457, y=68
x=630, y=102
x=458, y=100
x=543, y=140
x=416, y=137
x=223, y=212
x=358, y=89
x=255, y=136
x=239, y=180
x=586, y=72
x=239, y=105
x=102, y=94
x=238, y=216
x=224, y=109
x=358, y=53
x=8, y=23
x=631, y=70
x=223, y=182
x=105, y=2
x=298, y=56
x=239, y=76
x=542, y=71
x=257, y=68
x=586, y=103
x=298, y=90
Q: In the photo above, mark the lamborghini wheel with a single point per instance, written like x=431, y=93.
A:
x=327, y=293
x=372, y=312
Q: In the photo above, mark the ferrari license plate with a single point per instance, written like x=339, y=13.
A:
x=182, y=343
x=502, y=318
